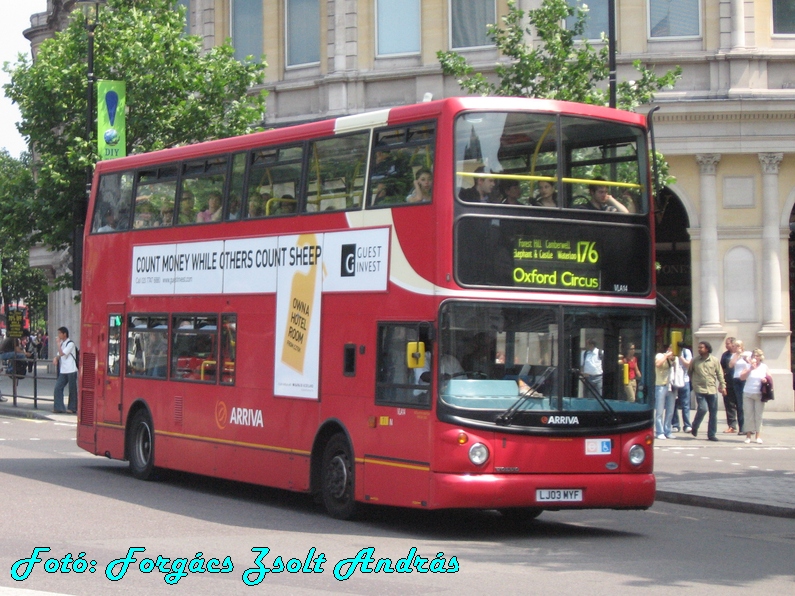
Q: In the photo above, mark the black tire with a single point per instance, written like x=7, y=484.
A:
x=337, y=481
x=520, y=514
x=141, y=446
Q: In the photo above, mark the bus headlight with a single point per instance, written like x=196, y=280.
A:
x=478, y=454
x=637, y=455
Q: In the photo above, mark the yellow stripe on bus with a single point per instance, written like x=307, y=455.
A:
x=366, y=460
x=260, y=446
x=382, y=462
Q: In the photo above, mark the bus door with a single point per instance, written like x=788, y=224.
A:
x=110, y=375
x=397, y=451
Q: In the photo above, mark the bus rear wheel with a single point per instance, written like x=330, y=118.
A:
x=337, y=483
x=141, y=446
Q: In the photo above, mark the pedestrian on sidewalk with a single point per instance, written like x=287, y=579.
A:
x=739, y=362
x=27, y=348
x=753, y=406
x=706, y=376
x=730, y=399
x=681, y=387
x=664, y=398
x=66, y=361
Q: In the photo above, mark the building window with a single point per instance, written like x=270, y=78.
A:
x=247, y=29
x=783, y=17
x=468, y=22
x=404, y=39
x=186, y=4
x=596, y=21
x=674, y=18
x=303, y=32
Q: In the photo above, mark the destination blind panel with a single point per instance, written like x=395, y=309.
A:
x=555, y=256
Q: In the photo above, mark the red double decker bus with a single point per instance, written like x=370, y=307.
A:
x=427, y=306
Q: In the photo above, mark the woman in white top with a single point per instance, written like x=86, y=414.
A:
x=739, y=362
x=753, y=406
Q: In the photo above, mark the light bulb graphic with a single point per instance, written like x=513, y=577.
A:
x=111, y=102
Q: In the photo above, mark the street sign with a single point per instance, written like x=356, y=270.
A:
x=16, y=323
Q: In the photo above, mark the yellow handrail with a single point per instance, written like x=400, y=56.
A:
x=586, y=181
x=206, y=364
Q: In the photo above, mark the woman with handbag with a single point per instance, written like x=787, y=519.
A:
x=754, y=376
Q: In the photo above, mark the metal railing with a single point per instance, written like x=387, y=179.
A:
x=16, y=378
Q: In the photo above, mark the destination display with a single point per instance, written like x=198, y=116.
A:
x=569, y=256
x=550, y=263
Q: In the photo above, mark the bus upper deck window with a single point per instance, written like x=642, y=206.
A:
x=401, y=166
x=112, y=209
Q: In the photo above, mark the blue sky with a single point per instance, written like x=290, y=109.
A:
x=16, y=18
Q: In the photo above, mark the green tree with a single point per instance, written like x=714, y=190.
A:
x=17, y=190
x=176, y=94
x=560, y=66
x=19, y=281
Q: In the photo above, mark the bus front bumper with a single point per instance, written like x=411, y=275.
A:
x=547, y=491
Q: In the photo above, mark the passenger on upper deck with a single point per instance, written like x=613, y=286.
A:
x=602, y=200
x=186, y=209
x=213, y=211
x=256, y=204
x=108, y=220
x=479, y=192
x=547, y=195
x=423, y=187
x=167, y=214
x=510, y=192
x=630, y=200
x=287, y=205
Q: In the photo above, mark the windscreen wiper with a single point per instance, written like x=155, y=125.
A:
x=527, y=392
x=592, y=389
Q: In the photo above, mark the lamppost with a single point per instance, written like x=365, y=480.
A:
x=611, y=44
x=90, y=9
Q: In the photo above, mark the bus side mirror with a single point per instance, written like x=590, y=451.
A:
x=415, y=354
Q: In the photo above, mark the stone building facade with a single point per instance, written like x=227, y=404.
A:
x=727, y=128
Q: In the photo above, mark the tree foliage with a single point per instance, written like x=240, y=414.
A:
x=560, y=66
x=176, y=94
x=19, y=281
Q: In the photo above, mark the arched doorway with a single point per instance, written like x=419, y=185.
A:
x=673, y=267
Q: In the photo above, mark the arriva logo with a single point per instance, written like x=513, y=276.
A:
x=237, y=416
x=560, y=420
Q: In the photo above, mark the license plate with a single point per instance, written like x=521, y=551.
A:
x=558, y=495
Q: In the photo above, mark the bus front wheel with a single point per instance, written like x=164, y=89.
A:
x=141, y=446
x=337, y=478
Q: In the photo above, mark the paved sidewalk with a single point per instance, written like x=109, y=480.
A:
x=727, y=474
x=730, y=474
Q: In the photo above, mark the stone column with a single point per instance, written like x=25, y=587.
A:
x=203, y=23
x=710, y=328
x=337, y=32
x=738, y=24
x=774, y=337
x=771, y=242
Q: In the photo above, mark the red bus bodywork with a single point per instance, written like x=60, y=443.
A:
x=403, y=456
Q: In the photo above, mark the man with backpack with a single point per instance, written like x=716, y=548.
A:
x=66, y=361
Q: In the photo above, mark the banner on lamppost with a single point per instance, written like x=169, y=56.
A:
x=111, y=121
